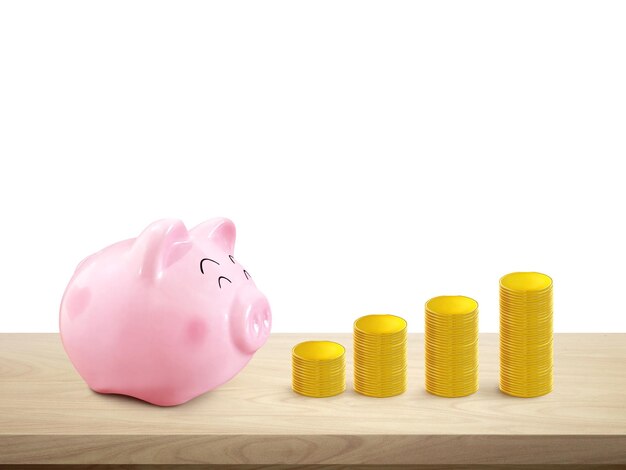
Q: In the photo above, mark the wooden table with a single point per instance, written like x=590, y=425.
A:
x=49, y=416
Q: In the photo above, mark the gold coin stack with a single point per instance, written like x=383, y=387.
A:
x=318, y=368
x=526, y=334
x=451, y=346
x=380, y=355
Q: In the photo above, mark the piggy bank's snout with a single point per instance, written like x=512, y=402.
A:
x=251, y=319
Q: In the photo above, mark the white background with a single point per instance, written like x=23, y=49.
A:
x=371, y=154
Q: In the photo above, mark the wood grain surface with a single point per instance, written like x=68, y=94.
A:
x=49, y=416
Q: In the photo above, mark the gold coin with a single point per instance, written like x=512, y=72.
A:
x=380, y=325
x=319, y=351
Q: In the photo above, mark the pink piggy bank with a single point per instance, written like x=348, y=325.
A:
x=166, y=316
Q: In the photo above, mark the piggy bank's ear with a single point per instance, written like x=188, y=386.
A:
x=220, y=230
x=159, y=245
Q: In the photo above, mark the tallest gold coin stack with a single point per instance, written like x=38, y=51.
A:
x=526, y=334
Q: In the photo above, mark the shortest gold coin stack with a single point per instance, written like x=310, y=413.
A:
x=380, y=355
x=318, y=368
x=451, y=346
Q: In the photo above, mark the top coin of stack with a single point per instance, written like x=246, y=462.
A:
x=380, y=355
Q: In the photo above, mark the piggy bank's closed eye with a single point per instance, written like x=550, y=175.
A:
x=220, y=278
